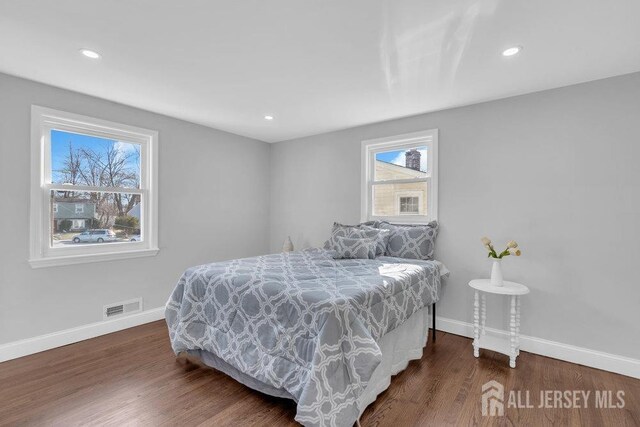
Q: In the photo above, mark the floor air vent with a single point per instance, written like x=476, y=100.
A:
x=122, y=308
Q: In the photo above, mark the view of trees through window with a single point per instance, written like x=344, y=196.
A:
x=103, y=164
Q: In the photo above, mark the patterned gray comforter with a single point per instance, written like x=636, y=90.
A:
x=301, y=322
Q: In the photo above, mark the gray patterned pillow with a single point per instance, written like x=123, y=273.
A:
x=348, y=248
x=411, y=241
x=382, y=239
x=372, y=224
x=363, y=230
x=342, y=230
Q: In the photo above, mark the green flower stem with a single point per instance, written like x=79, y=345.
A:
x=504, y=254
x=492, y=252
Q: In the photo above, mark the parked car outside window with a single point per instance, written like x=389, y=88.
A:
x=95, y=236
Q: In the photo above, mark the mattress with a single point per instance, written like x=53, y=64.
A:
x=300, y=325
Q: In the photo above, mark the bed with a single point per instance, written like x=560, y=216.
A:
x=327, y=333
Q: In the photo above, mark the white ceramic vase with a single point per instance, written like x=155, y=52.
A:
x=496, y=273
x=288, y=245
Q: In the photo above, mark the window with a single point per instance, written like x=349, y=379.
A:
x=400, y=178
x=91, y=175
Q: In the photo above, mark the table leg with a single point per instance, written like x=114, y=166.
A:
x=518, y=324
x=476, y=326
x=512, y=328
x=483, y=313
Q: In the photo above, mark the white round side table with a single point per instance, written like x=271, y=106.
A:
x=509, y=347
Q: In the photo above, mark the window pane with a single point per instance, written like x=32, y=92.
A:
x=400, y=199
x=401, y=164
x=103, y=218
x=88, y=160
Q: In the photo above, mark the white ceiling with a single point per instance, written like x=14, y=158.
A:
x=316, y=65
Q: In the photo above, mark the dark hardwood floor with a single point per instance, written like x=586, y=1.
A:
x=132, y=378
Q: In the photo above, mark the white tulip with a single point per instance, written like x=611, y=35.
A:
x=515, y=252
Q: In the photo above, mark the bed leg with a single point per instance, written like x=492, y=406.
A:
x=433, y=321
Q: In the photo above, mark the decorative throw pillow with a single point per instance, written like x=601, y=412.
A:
x=372, y=224
x=349, y=248
x=382, y=239
x=356, y=231
x=411, y=241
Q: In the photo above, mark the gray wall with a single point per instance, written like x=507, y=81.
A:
x=559, y=171
x=213, y=196
x=556, y=170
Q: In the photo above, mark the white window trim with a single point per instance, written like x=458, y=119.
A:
x=41, y=255
x=370, y=147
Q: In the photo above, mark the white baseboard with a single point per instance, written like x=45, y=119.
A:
x=16, y=349
x=570, y=353
x=583, y=356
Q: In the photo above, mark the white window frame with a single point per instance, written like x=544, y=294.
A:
x=371, y=147
x=43, y=120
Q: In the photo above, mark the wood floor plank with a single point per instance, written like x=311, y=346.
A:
x=132, y=377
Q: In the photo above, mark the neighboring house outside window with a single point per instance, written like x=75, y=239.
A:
x=72, y=216
x=87, y=174
x=399, y=178
x=135, y=212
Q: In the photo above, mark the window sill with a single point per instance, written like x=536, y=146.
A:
x=402, y=219
x=83, y=259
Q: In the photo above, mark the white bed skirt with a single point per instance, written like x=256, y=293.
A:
x=403, y=344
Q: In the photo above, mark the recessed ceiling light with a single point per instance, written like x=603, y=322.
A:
x=514, y=50
x=268, y=117
x=90, y=53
